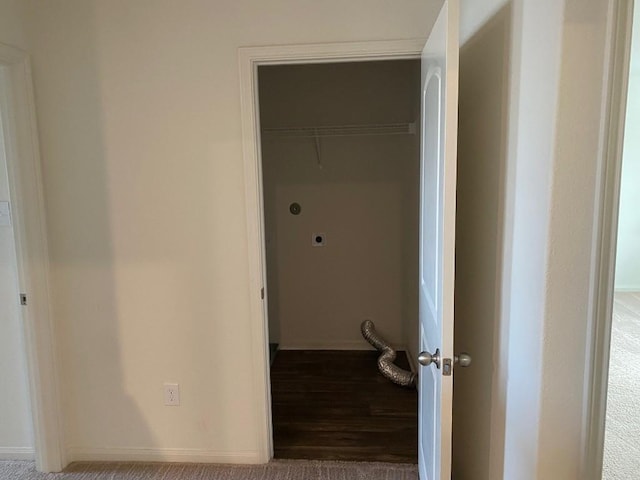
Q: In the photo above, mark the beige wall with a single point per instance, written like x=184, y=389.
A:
x=359, y=196
x=339, y=93
x=139, y=121
x=12, y=31
x=482, y=156
x=16, y=440
x=139, y=118
x=356, y=200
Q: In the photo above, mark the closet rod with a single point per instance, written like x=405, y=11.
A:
x=342, y=130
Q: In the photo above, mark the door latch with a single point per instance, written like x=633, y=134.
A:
x=461, y=360
x=23, y=299
x=446, y=367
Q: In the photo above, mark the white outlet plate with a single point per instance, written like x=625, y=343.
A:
x=172, y=394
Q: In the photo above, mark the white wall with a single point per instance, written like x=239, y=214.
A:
x=360, y=196
x=537, y=31
x=16, y=439
x=571, y=241
x=139, y=118
x=628, y=252
x=553, y=163
x=555, y=137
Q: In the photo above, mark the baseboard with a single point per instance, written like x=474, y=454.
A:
x=303, y=345
x=627, y=289
x=413, y=360
x=181, y=455
x=17, y=453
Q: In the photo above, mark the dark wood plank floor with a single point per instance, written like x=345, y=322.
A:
x=335, y=405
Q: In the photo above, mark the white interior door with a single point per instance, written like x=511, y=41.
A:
x=437, y=242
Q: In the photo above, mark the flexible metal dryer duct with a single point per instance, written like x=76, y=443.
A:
x=390, y=370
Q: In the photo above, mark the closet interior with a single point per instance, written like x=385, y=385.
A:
x=340, y=175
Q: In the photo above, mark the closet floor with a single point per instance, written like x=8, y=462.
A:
x=335, y=405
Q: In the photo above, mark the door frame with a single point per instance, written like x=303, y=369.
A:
x=249, y=59
x=607, y=195
x=27, y=204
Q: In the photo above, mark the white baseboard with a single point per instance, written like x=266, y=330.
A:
x=181, y=455
x=17, y=453
x=627, y=289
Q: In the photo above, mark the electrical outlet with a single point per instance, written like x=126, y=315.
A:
x=318, y=240
x=172, y=394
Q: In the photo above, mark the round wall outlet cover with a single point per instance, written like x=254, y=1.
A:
x=295, y=208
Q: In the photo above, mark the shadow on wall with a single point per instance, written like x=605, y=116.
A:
x=79, y=190
x=482, y=157
x=143, y=181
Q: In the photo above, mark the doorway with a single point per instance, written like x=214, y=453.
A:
x=488, y=95
x=16, y=433
x=340, y=173
x=622, y=425
x=25, y=268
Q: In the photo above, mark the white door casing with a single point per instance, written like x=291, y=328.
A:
x=28, y=217
x=249, y=58
x=439, y=116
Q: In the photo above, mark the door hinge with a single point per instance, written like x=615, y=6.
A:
x=23, y=299
x=262, y=293
x=446, y=367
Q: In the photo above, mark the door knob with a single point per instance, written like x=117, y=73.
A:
x=425, y=358
x=462, y=359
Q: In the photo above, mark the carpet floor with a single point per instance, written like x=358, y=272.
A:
x=276, y=470
x=622, y=431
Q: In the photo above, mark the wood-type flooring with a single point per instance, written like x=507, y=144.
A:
x=335, y=405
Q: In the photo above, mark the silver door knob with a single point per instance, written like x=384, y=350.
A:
x=425, y=358
x=462, y=359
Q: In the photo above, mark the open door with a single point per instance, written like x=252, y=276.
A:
x=439, y=112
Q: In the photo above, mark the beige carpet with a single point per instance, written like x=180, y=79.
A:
x=622, y=432
x=276, y=470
